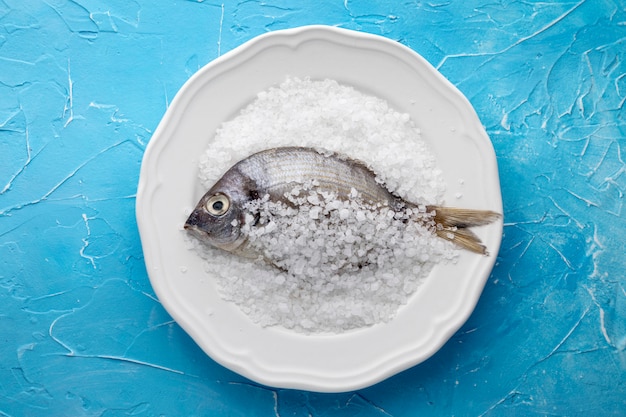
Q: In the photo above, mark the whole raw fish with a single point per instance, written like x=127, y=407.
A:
x=220, y=214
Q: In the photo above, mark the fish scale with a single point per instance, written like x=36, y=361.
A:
x=278, y=170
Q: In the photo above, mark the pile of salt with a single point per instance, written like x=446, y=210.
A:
x=341, y=264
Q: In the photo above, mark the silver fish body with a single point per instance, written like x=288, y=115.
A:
x=220, y=214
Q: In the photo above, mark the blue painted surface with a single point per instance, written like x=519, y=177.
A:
x=83, y=85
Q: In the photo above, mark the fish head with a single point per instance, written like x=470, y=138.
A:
x=218, y=216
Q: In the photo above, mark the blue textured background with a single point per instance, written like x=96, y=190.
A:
x=83, y=85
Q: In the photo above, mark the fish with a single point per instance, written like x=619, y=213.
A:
x=272, y=174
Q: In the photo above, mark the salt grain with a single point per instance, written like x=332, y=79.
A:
x=342, y=264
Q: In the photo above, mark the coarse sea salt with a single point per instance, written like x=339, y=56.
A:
x=338, y=264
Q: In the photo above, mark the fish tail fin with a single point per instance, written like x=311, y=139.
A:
x=452, y=224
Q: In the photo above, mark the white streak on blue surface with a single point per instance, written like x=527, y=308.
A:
x=219, y=36
x=69, y=106
x=86, y=242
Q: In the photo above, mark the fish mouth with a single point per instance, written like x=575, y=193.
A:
x=195, y=230
x=191, y=226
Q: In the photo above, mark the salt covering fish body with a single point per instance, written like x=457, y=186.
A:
x=225, y=215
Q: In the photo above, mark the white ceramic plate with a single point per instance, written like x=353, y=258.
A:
x=169, y=188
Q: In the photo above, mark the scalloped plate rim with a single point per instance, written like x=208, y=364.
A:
x=247, y=363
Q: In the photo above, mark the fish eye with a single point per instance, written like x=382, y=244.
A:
x=217, y=204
